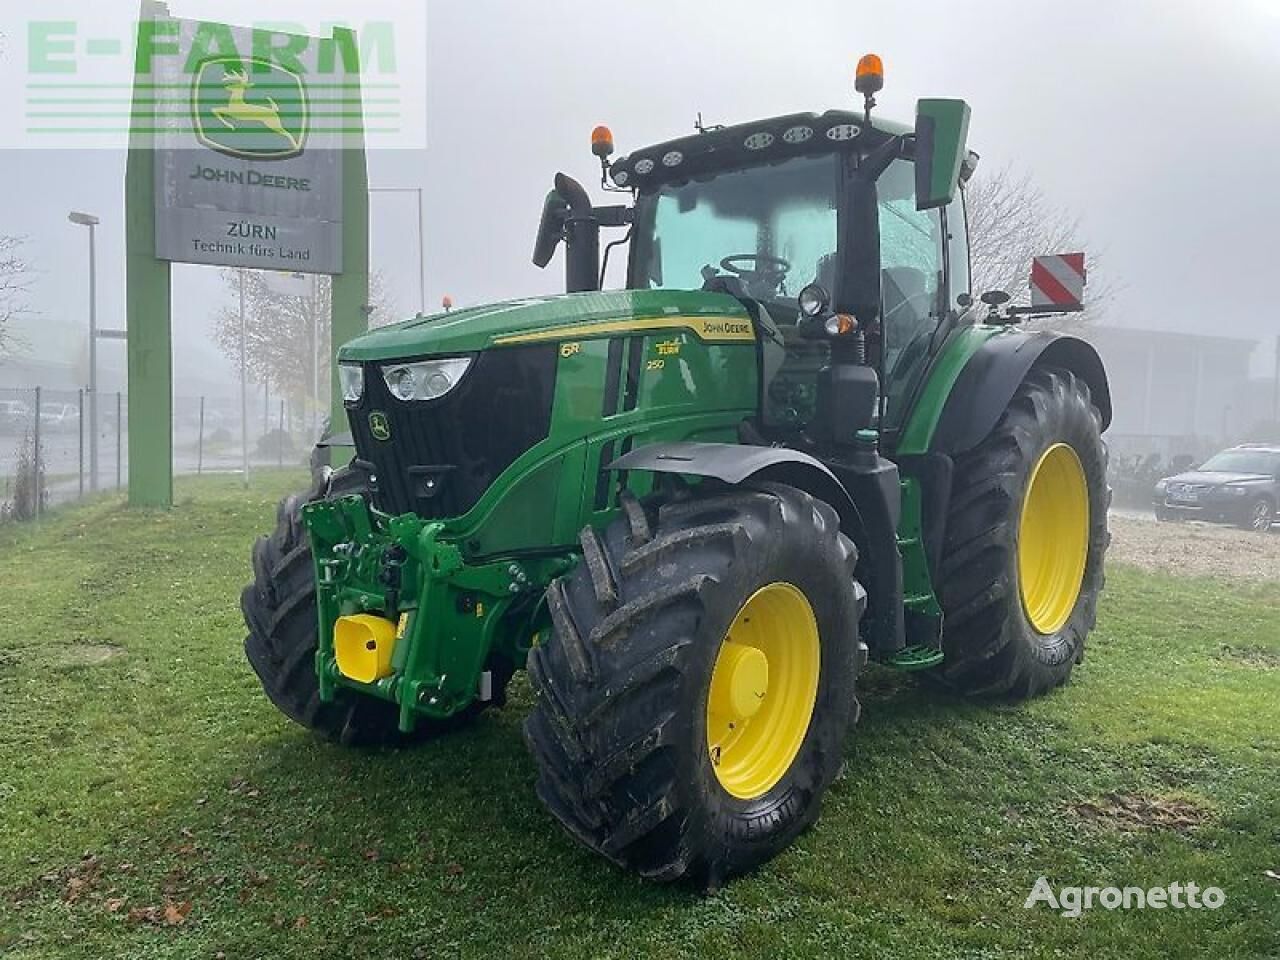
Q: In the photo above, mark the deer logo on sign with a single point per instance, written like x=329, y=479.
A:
x=241, y=111
x=251, y=109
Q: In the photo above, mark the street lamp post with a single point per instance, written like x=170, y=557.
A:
x=422, y=252
x=90, y=221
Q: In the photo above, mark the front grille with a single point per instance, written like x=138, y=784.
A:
x=441, y=455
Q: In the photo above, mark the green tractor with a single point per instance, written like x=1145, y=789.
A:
x=694, y=508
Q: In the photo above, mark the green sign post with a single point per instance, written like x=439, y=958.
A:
x=246, y=150
x=150, y=338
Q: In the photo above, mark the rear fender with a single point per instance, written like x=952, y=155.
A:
x=993, y=374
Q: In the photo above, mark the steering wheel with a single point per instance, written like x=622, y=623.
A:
x=768, y=272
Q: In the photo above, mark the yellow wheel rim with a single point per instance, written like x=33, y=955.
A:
x=1053, y=538
x=763, y=688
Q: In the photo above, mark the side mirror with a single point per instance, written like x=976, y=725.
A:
x=555, y=211
x=942, y=127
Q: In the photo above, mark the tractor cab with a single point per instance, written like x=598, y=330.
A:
x=829, y=228
x=766, y=229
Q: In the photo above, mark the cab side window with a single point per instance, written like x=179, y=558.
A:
x=910, y=254
x=911, y=261
x=956, y=222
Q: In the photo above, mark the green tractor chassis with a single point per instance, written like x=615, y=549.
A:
x=453, y=613
x=695, y=507
x=449, y=617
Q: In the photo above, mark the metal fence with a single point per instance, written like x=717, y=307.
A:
x=48, y=451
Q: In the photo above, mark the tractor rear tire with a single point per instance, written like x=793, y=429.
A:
x=279, y=609
x=629, y=687
x=1007, y=634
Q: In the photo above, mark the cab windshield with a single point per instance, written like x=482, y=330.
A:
x=772, y=230
x=772, y=227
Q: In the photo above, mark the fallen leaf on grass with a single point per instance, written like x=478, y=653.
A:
x=170, y=915
x=114, y=904
x=1131, y=812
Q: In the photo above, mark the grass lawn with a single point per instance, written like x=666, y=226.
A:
x=153, y=803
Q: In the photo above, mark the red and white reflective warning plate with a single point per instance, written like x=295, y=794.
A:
x=1058, y=281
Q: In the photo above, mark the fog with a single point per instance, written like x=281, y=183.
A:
x=1155, y=121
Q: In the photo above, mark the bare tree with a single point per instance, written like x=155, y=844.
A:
x=282, y=330
x=1011, y=220
x=15, y=284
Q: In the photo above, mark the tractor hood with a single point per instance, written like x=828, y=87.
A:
x=713, y=316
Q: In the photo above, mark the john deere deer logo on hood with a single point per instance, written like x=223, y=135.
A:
x=249, y=108
x=379, y=425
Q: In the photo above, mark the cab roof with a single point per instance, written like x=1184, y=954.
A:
x=756, y=143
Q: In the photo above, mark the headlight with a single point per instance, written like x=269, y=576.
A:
x=1236, y=491
x=351, y=379
x=1161, y=486
x=426, y=380
x=813, y=300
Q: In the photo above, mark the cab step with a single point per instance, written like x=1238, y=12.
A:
x=914, y=658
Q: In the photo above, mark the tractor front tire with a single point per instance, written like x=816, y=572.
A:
x=693, y=698
x=279, y=609
x=1022, y=564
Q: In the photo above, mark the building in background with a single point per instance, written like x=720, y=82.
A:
x=1179, y=394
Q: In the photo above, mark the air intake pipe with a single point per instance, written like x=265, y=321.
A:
x=581, y=235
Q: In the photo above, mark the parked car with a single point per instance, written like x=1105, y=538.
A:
x=59, y=417
x=15, y=416
x=1240, y=486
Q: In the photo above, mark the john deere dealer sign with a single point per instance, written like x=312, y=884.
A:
x=248, y=169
